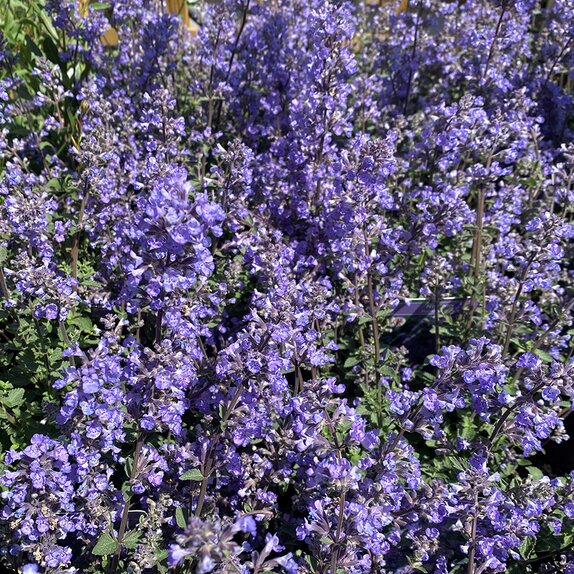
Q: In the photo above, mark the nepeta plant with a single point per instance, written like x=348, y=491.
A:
x=293, y=294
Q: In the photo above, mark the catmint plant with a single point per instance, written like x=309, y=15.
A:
x=291, y=292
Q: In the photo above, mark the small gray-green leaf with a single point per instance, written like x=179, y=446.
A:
x=180, y=517
x=3, y=253
x=193, y=474
x=105, y=545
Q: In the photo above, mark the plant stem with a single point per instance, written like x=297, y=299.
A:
x=473, y=526
x=67, y=340
x=210, y=457
x=335, y=552
x=558, y=58
x=477, y=241
x=477, y=244
x=342, y=497
x=376, y=334
x=76, y=238
x=140, y=441
x=126, y=510
x=233, y=53
x=436, y=315
x=4, y=285
x=413, y=52
x=361, y=333
x=496, y=32
x=205, y=154
x=495, y=432
x=514, y=308
x=298, y=379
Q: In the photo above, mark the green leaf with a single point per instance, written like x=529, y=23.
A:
x=3, y=254
x=430, y=377
x=527, y=547
x=127, y=490
x=131, y=539
x=351, y=362
x=83, y=323
x=519, y=344
x=456, y=463
x=128, y=464
x=387, y=371
x=180, y=517
x=14, y=398
x=105, y=545
x=99, y=6
x=160, y=556
x=51, y=50
x=32, y=46
x=546, y=357
x=193, y=474
x=535, y=472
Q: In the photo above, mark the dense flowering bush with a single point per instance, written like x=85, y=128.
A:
x=293, y=294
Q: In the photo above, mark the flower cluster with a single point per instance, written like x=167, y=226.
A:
x=293, y=293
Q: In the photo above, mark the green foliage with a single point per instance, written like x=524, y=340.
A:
x=193, y=474
x=106, y=545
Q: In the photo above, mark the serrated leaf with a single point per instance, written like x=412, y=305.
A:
x=193, y=474
x=131, y=539
x=14, y=398
x=456, y=463
x=180, y=517
x=105, y=546
x=83, y=323
x=160, y=555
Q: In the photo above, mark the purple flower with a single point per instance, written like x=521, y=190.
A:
x=528, y=361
